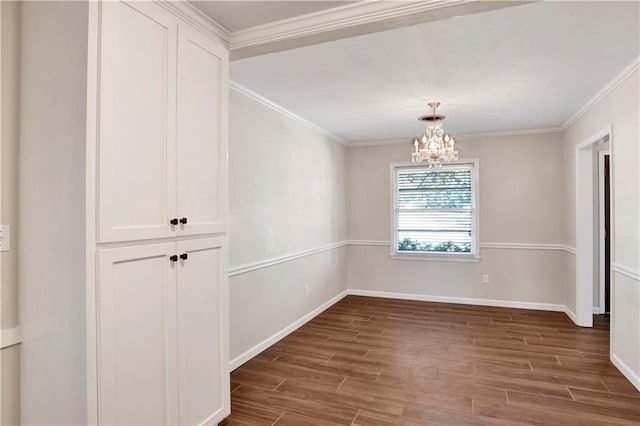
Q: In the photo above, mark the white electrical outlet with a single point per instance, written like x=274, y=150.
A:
x=306, y=290
x=485, y=278
x=5, y=237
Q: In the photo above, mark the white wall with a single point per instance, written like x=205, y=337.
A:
x=10, y=374
x=521, y=200
x=52, y=241
x=286, y=196
x=620, y=109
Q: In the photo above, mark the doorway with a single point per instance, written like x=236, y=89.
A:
x=604, y=201
x=587, y=237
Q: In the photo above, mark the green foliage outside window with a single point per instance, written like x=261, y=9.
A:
x=407, y=244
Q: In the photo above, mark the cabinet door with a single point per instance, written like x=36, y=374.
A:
x=137, y=357
x=136, y=136
x=203, y=356
x=202, y=133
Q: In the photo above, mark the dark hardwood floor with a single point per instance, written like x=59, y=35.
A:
x=370, y=361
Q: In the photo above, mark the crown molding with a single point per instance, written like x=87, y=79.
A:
x=610, y=87
x=510, y=133
x=192, y=15
x=266, y=102
x=338, y=18
x=406, y=141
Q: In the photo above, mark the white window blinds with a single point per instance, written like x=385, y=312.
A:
x=435, y=209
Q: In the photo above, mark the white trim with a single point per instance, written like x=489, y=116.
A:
x=601, y=233
x=509, y=133
x=585, y=171
x=381, y=143
x=368, y=243
x=570, y=249
x=266, y=102
x=247, y=355
x=250, y=267
x=337, y=18
x=626, y=371
x=596, y=311
x=459, y=300
x=10, y=337
x=622, y=76
x=634, y=274
x=91, y=309
x=198, y=19
x=243, y=269
x=470, y=163
x=523, y=246
x=434, y=257
x=255, y=350
x=571, y=315
x=1, y=145
x=458, y=137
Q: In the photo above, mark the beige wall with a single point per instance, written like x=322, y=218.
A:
x=10, y=106
x=53, y=105
x=521, y=201
x=620, y=109
x=286, y=195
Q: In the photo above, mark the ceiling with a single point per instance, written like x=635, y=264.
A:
x=520, y=68
x=240, y=15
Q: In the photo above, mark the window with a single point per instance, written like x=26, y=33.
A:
x=434, y=211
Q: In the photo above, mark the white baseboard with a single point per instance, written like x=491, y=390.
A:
x=633, y=377
x=460, y=300
x=571, y=315
x=246, y=356
x=596, y=311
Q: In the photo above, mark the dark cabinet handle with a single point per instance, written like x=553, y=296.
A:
x=174, y=221
x=184, y=256
x=173, y=258
x=183, y=221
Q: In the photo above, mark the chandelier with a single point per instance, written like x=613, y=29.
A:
x=435, y=146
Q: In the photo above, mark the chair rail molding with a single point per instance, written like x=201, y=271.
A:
x=634, y=274
x=10, y=337
x=253, y=266
x=243, y=269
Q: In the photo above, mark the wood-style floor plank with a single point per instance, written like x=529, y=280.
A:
x=373, y=361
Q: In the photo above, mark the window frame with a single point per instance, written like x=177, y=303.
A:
x=474, y=255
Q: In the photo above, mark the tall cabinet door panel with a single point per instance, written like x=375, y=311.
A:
x=136, y=136
x=202, y=331
x=202, y=133
x=137, y=357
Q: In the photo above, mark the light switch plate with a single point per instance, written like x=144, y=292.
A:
x=5, y=237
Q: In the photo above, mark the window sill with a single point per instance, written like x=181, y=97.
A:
x=436, y=257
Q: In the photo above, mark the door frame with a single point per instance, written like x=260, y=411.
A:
x=601, y=230
x=0, y=200
x=586, y=223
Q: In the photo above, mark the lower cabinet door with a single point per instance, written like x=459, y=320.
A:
x=203, y=357
x=137, y=336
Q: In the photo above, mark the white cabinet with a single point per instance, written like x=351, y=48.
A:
x=162, y=126
x=136, y=121
x=161, y=173
x=162, y=322
x=137, y=336
x=202, y=118
x=202, y=331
